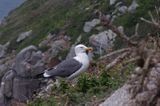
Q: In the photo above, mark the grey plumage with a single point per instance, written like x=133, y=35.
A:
x=65, y=68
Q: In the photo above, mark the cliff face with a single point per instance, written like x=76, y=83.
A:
x=54, y=27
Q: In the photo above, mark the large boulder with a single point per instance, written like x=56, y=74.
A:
x=23, y=36
x=29, y=62
x=7, y=81
x=102, y=41
x=23, y=89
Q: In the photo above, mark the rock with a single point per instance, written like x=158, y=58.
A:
x=53, y=62
x=46, y=90
x=102, y=41
x=132, y=8
x=23, y=36
x=54, y=36
x=29, y=62
x=7, y=80
x=23, y=89
x=71, y=52
x=2, y=98
x=122, y=9
x=112, y=2
x=58, y=46
x=3, y=49
x=3, y=69
x=47, y=40
x=121, y=29
x=22, y=67
x=90, y=24
x=118, y=98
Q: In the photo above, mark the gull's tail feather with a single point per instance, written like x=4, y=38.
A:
x=46, y=73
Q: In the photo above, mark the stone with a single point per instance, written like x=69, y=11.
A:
x=2, y=98
x=3, y=69
x=71, y=52
x=23, y=36
x=22, y=67
x=47, y=40
x=112, y=2
x=118, y=98
x=102, y=41
x=2, y=51
x=7, y=80
x=57, y=46
x=132, y=8
x=122, y=9
x=23, y=89
x=29, y=62
x=90, y=24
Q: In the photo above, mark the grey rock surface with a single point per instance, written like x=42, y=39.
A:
x=2, y=51
x=23, y=36
x=118, y=98
x=132, y=8
x=102, y=41
x=8, y=83
x=112, y=2
x=3, y=69
x=71, y=52
x=23, y=89
x=90, y=24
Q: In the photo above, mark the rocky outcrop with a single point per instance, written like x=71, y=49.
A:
x=21, y=82
x=23, y=89
x=56, y=43
x=29, y=62
x=23, y=36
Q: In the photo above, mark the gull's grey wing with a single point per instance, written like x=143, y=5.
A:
x=65, y=68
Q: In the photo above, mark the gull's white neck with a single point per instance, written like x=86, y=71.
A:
x=82, y=58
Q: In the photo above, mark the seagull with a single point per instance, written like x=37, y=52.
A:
x=71, y=68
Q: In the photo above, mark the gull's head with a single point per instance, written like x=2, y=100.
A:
x=82, y=49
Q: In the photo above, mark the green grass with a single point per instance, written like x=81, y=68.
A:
x=44, y=16
x=89, y=86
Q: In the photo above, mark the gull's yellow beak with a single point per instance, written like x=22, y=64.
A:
x=89, y=49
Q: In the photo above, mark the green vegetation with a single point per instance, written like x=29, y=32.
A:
x=44, y=16
x=90, y=87
x=129, y=20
